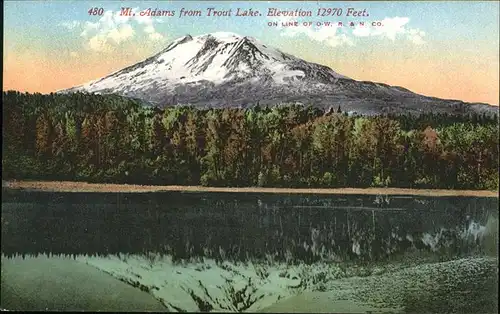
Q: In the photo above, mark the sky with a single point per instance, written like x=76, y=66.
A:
x=446, y=49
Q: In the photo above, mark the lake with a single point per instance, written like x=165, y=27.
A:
x=194, y=251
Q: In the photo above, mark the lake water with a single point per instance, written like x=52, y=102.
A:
x=246, y=252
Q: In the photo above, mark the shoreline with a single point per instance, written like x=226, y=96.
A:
x=44, y=283
x=139, y=283
x=74, y=186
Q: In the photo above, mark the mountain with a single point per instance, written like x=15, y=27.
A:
x=226, y=69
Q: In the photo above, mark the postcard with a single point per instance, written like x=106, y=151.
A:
x=251, y=156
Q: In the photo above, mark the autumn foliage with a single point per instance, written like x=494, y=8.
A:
x=113, y=139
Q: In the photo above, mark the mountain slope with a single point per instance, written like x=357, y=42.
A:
x=226, y=69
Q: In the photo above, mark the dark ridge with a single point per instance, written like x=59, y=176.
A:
x=315, y=72
x=185, y=39
x=244, y=55
x=178, y=309
x=203, y=305
x=209, y=45
x=208, y=62
x=285, y=56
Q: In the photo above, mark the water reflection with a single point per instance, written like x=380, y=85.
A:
x=248, y=252
x=289, y=228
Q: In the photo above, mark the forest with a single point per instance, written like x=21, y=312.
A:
x=112, y=139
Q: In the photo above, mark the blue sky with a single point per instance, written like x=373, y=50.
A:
x=441, y=18
x=419, y=41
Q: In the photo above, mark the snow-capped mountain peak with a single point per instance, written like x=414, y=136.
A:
x=215, y=58
x=227, y=69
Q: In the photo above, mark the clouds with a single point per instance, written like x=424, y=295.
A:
x=104, y=40
x=327, y=35
x=114, y=29
x=416, y=36
x=147, y=22
x=334, y=34
x=392, y=29
x=70, y=25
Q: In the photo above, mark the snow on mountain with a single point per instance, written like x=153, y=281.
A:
x=216, y=58
x=226, y=69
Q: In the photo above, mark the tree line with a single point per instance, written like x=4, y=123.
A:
x=108, y=138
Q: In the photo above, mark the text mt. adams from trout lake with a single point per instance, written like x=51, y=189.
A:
x=241, y=12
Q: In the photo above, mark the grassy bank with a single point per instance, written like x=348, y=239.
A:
x=71, y=186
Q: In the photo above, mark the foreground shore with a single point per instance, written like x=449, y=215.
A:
x=64, y=284
x=71, y=186
x=114, y=283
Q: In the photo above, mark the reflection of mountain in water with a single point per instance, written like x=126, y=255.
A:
x=239, y=227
